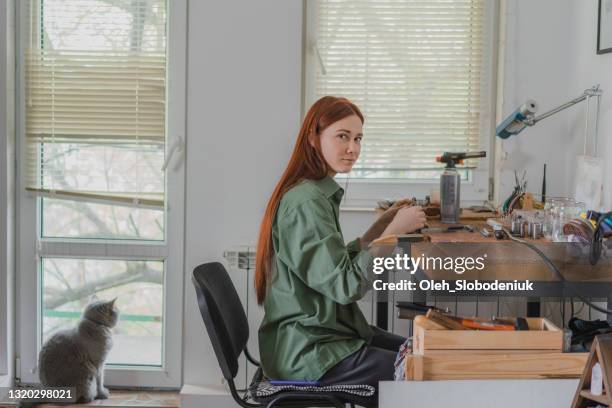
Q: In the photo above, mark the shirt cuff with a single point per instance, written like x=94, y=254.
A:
x=353, y=247
x=365, y=260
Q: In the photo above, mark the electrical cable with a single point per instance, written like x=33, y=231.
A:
x=346, y=183
x=558, y=274
x=562, y=304
x=581, y=308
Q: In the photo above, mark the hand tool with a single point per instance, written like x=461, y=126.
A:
x=450, y=228
x=485, y=232
x=428, y=324
x=460, y=323
x=521, y=324
x=444, y=320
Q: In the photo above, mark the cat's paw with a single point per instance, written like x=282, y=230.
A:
x=103, y=393
x=85, y=399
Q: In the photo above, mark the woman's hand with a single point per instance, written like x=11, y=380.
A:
x=379, y=226
x=407, y=220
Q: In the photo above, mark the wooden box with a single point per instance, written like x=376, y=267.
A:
x=542, y=336
x=482, y=354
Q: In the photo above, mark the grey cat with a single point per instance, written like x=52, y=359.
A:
x=75, y=357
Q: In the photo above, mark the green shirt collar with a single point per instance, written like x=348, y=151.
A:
x=330, y=188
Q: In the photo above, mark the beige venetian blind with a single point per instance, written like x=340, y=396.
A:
x=415, y=69
x=95, y=76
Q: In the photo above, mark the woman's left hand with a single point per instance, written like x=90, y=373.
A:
x=381, y=223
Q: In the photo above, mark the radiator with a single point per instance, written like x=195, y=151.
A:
x=240, y=262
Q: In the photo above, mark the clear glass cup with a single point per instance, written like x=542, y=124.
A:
x=564, y=210
x=547, y=227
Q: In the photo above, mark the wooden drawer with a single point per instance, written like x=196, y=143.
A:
x=483, y=366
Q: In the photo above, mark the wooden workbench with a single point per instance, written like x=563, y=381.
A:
x=507, y=260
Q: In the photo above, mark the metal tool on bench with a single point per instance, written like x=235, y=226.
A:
x=398, y=240
x=498, y=228
x=450, y=184
x=449, y=228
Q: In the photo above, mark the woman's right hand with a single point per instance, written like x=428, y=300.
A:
x=407, y=220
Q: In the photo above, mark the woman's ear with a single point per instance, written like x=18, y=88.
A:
x=312, y=134
x=311, y=139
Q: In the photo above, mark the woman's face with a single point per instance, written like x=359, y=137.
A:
x=341, y=144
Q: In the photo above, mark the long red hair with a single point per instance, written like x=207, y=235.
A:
x=306, y=162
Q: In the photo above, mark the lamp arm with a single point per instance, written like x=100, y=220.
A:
x=594, y=91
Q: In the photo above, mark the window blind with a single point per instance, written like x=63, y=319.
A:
x=95, y=78
x=415, y=68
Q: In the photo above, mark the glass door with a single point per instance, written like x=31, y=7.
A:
x=101, y=208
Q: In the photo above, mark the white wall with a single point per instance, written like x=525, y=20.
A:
x=550, y=57
x=587, y=69
x=536, y=67
x=244, y=95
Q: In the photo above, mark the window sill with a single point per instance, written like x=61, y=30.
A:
x=5, y=380
x=365, y=193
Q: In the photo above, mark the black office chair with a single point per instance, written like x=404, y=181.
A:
x=228, y=329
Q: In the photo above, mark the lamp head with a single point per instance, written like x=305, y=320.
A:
x=518, y=120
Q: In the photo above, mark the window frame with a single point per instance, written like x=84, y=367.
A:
x=32, y=246
x=363, y=193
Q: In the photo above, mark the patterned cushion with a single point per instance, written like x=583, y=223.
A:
x=264, y=389
x=261, y=390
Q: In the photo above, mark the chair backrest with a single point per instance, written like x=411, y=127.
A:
x=223, y=315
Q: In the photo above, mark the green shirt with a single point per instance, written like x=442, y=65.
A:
x=312, y=321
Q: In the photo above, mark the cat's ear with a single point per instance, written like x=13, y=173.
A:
x=93, y=298
x=112, y=303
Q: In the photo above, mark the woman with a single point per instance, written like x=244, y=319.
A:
x=307, y=279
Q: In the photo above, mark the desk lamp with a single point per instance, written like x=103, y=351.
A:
x=524, y=115
x=589, y=173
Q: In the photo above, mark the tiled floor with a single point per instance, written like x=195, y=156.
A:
x=123, y=398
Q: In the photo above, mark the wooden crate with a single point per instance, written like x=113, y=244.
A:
x=542, y=336
x=482, y=366
x=483, y=355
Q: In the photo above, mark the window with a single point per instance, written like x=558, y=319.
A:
x=96, y=185
x=95, y=118
x=422, y=74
